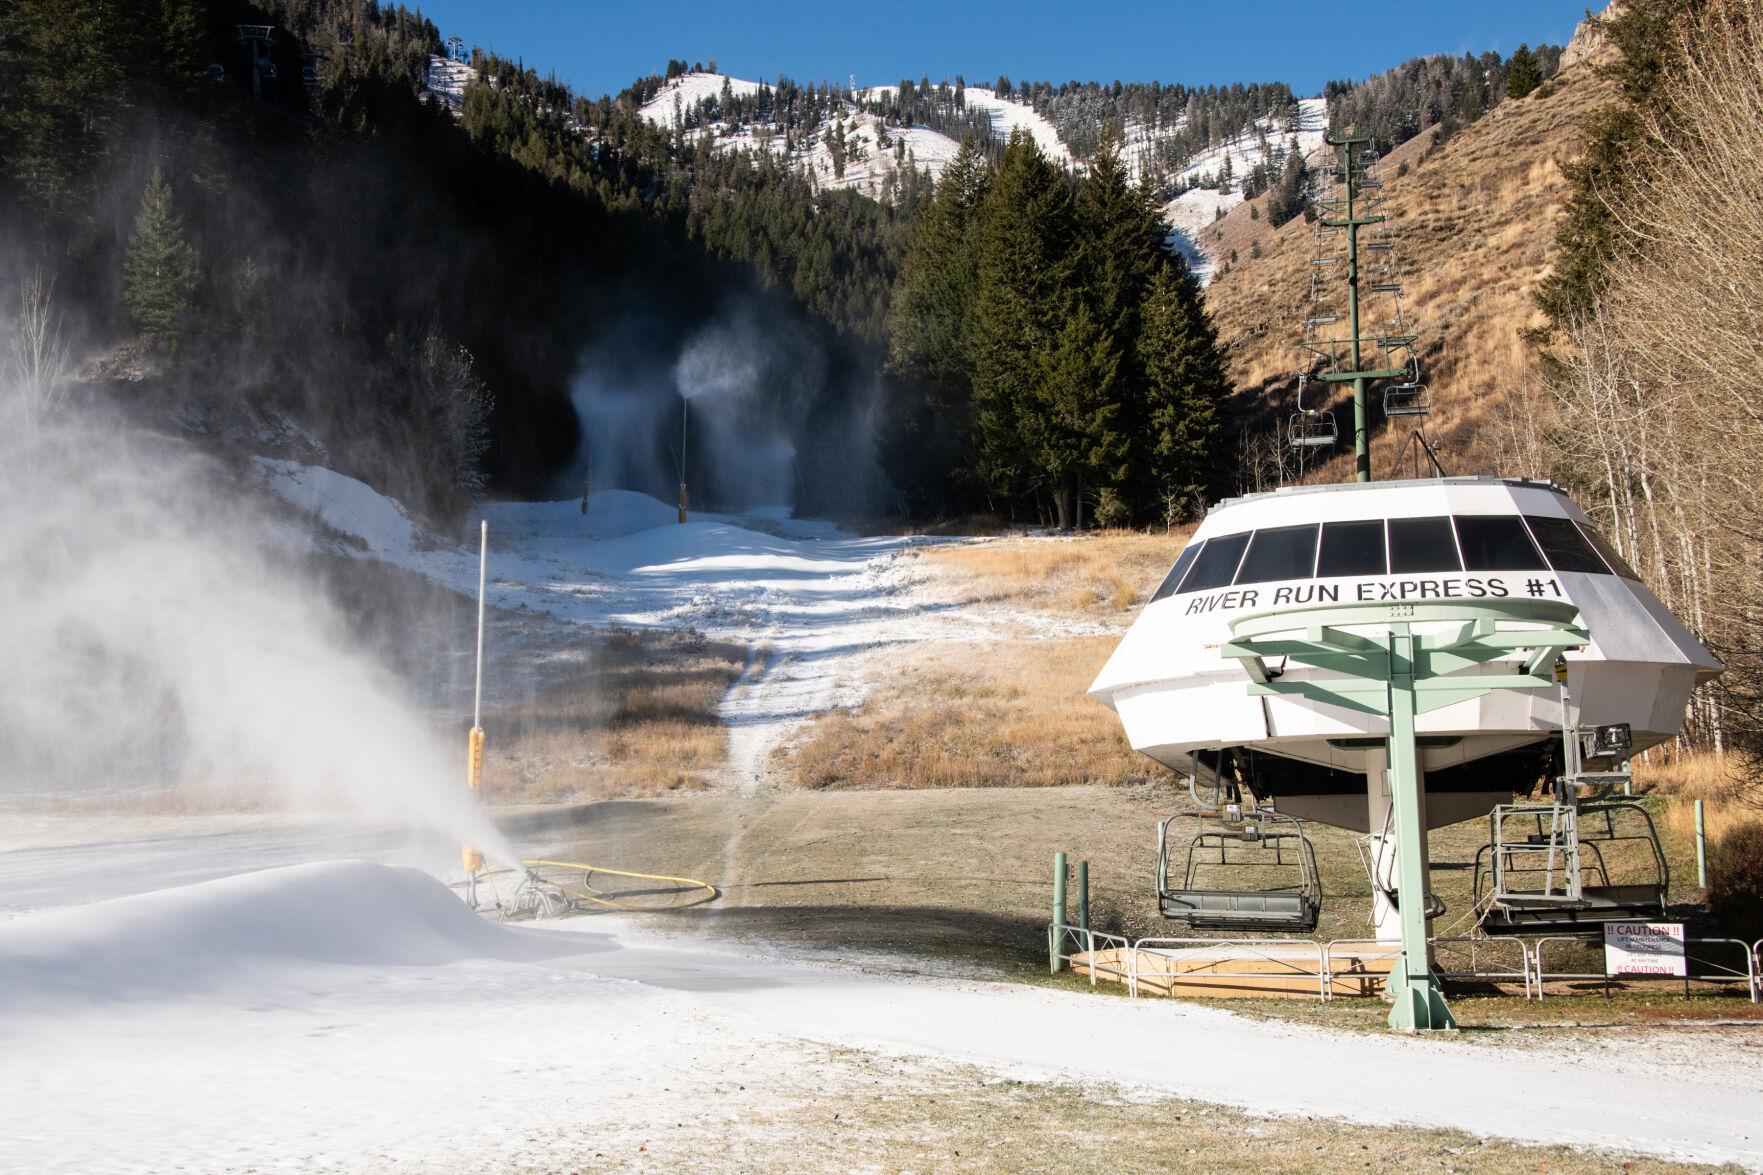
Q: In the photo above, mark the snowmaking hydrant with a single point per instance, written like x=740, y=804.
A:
x=474, y=759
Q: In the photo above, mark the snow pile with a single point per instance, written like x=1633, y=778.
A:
x=347, y=506
x=203, y=936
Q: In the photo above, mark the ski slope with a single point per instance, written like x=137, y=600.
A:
x=1191, y=212
x=1009, y=116
x=687, y=90
x=345, y=1015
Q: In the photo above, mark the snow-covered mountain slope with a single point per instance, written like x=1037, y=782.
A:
x=447, y=80
x=874, y=154
x=1007, y=115
x=686, y=91
x=1198, y=207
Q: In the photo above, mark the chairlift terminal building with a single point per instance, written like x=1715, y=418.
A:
x=1465, y=538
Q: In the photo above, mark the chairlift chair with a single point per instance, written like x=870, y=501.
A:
x=1233, y=842
x=1548, y=867
x=1408, y=398
x=1310, y=428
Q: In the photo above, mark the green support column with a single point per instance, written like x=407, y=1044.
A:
x=1418, y=999
x=1357, y=211
x=1361, y=427
x=1394, y=673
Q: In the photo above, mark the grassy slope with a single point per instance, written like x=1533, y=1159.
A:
x=1476, y=221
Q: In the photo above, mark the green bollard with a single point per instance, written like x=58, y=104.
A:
x=1056, y=940
x=1701, y=848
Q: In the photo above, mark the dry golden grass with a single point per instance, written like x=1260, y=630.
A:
x=1726, y=785
x=1475, y=219
x=1107, y=573
x=635, y=715
x=964, y=715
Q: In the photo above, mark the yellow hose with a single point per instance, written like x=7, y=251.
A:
x=709, y=892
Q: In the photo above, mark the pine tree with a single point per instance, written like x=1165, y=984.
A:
x=1071, y=428
x=1185, y=386
x=159, y=274
x=1522, y=73
x=1120, y=237
x=1023, y=271
x=1292, y=194
x=930, y=321
x=1120, y=246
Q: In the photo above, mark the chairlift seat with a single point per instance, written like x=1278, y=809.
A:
x=1312, y=430
x=1217, y=909
x=1290, y=908
x=1596, y=906
x=1569, y=839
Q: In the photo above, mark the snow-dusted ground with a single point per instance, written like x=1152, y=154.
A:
x=352, y=1016
x=812, y=598
x=346, y=1015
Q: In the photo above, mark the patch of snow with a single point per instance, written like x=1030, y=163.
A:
x=346, y=506
x=1008, y=115
x=447, y=80
x=1189, y=214
x=691, y=89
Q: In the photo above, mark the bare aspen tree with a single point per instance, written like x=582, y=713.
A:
x=38, y=362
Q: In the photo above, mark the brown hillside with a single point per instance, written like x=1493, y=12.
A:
x=1476, y=217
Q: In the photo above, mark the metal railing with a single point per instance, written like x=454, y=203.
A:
x=1293, y=956
x=1476, y=970
x=1751, y=976
x=1381, y=949
x=1059, y=935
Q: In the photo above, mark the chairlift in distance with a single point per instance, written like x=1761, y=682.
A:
x=1311, y=428
x=1408, y=398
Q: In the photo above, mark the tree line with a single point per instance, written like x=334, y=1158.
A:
x=1437, y=91
x=1056, y=361
x=1651, y=362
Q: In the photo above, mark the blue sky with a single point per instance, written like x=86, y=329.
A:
x=599, y=47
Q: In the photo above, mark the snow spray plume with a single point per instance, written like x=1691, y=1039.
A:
x=758, y=386
x=152, y=641
x=739, y=386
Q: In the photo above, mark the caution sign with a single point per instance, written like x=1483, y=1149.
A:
x=1643, y=948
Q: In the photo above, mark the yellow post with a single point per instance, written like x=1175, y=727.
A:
x=474, y=779
x=474, y=759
